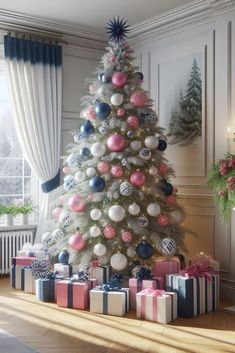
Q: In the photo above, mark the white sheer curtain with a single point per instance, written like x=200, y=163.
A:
x=35, y=82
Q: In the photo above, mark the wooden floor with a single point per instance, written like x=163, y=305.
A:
x=50, y=329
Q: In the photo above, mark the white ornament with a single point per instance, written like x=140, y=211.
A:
x=134, y=209
x=135, y=145
x=153, y=170
x=98, y=149
x=99, y=249
x=153, y=209
x=80, y=176
x=168, y=246
x=131, y=251
x=37, y=247
x=69, y=182
x=176, y=217
x=66, y=218
x=116, y=99
x=126, y=189
x=95, y=231
x=145, y=153
x=73, y=160
x=95, y=214
x=116, y=213
x=118, y=262
x=151, y=142
x=90, y=172
x=143, y=221
x=56, y=235
x=116, y=195
x=27, y=247
x=46, y=236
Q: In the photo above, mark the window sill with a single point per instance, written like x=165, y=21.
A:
x=18, y=227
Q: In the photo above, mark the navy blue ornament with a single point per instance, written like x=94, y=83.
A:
x=97, y=184
x=144, y=250
x=168, y=189
x=85, y=152
x=162, y=145
x=140, y=75
x=117, y=29
x=87, y=128
x=105, y=78
x=63, y=257
x=102, y=110
x=100, y=77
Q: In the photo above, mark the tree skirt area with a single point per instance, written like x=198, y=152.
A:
x=9, y=344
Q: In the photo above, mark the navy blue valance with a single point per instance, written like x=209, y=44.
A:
x=33, y=51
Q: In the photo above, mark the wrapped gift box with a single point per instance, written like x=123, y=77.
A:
x=71, y=294
x=164, y=267
x=63, y=270
x=46, y=288
x=196, y=296
x=136, y=285
x=156, y=305
x=109, y=302
x=18, y=263
x=27, y=280
x=101, y=273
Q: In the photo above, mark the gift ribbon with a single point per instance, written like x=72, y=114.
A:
x=23, y=277
x=199, y=269
x=154, y=293
x=106, y=290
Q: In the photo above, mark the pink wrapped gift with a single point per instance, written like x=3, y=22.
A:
x=156, y=305
x=165, y=267
x=136, y=285
x=18, y=263
x=23, y=260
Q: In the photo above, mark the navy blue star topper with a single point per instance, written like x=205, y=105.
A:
x=117, y=29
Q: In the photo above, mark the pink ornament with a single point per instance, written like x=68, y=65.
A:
x=76, y=203
x=103, y=167
x=133, y=121
x=112, y=59
x=121, y=112
x=126, y=236
x=66, y=170
x=163, y=220
x=175, y=190
x=90, y=113
x=116, y=143
x=138, y=98
x=109, y=232
x=138, y=179
x=90, y=197
x=171, y=199
x=56, y=212
x=119, y=79
x=76, y=242
x=126, y=55
x=163, y=168
x=62, y=197
x=117, y=171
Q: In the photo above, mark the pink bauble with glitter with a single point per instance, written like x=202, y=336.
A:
x=109, y=232
x=103, y=167
x=90, y=113
x=117, y=171
x=66, y=170
x=163, y=168
x=56, y=212
x=76, y=203
x=171, y=199
x=76, y=242
x=116, y=143
x=119, y=79
x=133, y=121
x=163, y=220
x=126, y=236
x=138, y=98
x=138, y=179
x=121, y=112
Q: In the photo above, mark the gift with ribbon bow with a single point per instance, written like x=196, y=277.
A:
x=18, y=263
x=101, y=273
x=201, y=268
x=27, y=280
x=64, y=270
x=46, y=287
x=163, y=267
x=202, y=257
x=156, y=305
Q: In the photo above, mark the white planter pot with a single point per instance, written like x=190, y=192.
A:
x=24, y=218
x=9, y=220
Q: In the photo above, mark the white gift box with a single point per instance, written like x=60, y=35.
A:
x=101, y=273
x=20, y=253
x=110, y=302
x=29, y=281
x=156, y=305
x=63, y=270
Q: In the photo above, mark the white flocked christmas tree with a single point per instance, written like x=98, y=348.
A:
x=117, y=203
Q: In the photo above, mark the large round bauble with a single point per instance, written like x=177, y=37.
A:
x=76, y=242
x=66, y=218
x=126, y=189
x=74, y=160
x=176, y=217
x=87, y=128
x=145, y=153
x=117, y=171
x=80, y=176
x=116, y=143
x=131, y=252
x=85, y=152
x=134, y=209
x=143, y=221
x=102, y=110
x=63, y=257
x=76, y=203
x=119, y=79
x=163, y=220
x=118, y=262
x=151, y=142
x=138, y=98
x=103, y=167
x=135, y=145
x=90, y=172
x=98, y=149
x=97, y=184
x=95, y=214
x=116, y=213
x=109, y=231
x=56, y=235
x=105, y=78
x=153, y=209
x=95, y=231
x=90, y=113
x=46, y=236
x=168, y=189
x=144, y=250
x=137, y=179
x=162, y=145
x=168, y=246
x=133, y=121
x=126, y=236
x=116, y=99
x=99, y=249
x=56, y=212
x=153, y=170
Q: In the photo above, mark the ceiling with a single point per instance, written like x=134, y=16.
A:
x=92, y=13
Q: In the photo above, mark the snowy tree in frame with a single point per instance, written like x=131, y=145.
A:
x=186, y=123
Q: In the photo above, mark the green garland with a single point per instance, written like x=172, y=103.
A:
x=222, y=182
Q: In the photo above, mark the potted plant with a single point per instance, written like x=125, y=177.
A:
x=9, y=211
x=24, y=210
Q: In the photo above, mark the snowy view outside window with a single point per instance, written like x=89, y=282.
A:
x=15, y=173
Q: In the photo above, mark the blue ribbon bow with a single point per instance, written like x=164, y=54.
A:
x=144, y=273
x=81, y=276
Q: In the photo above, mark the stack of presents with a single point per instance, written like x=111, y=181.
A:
x=161, y=294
